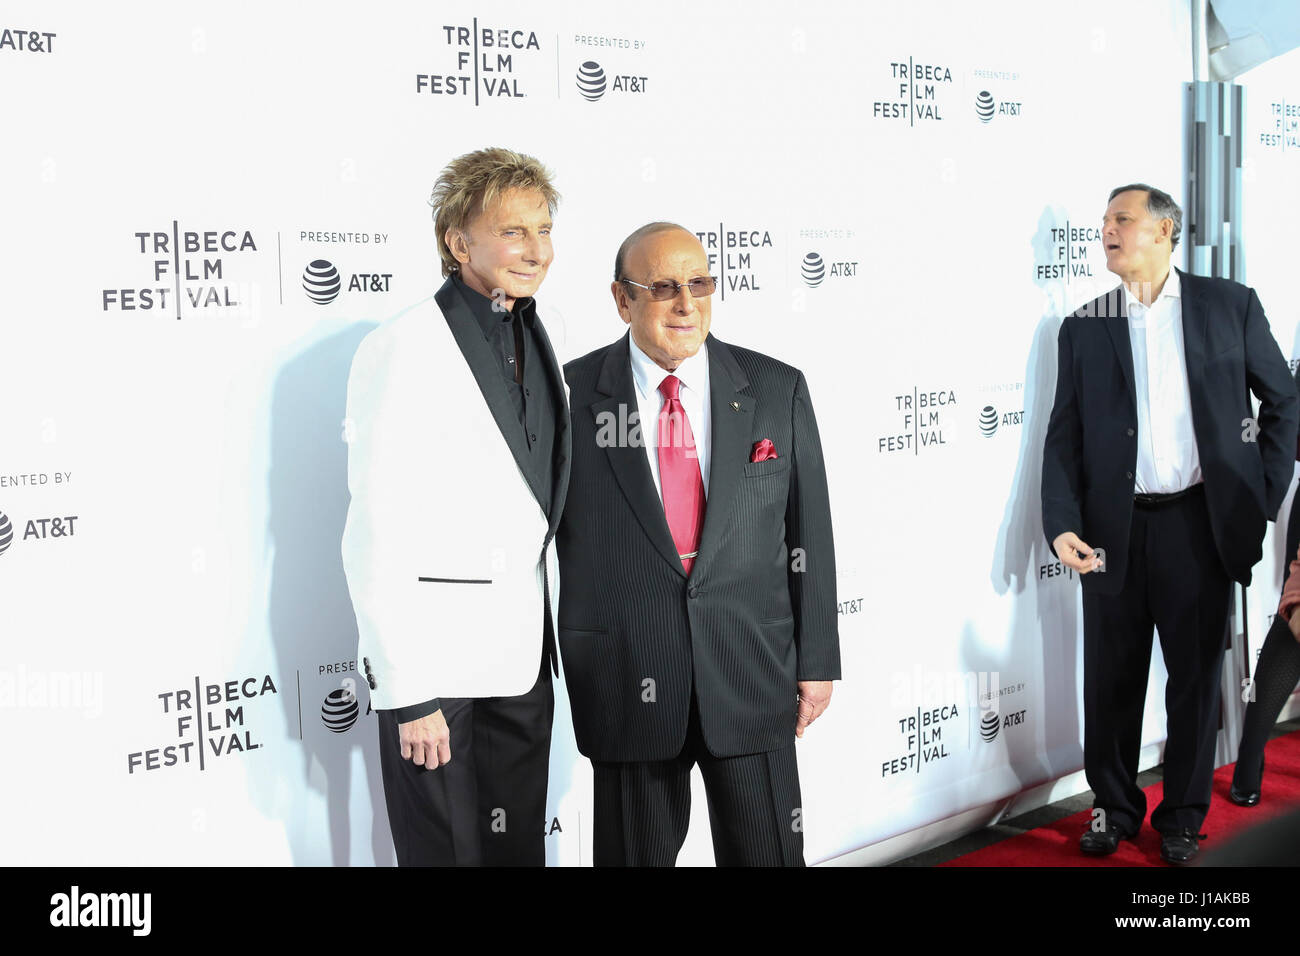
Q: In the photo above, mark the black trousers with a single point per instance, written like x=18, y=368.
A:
x=1177, y=583
x=487, y=806
x=643, y=809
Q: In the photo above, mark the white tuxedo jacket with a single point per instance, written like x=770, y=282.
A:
x=446, y=549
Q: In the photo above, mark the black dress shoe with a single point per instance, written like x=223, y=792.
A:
x=1180, y=846
x=1243, y=797
x=1103, y=842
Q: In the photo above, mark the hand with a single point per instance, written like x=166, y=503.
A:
x=814, y=698
x=1294, y=622
x=426, y=742
x=1075, y=554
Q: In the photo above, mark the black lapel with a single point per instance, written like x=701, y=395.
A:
x=1194, y=322
x=732, y=423
x=478, y=355
x=1112, y=311
x=629, y=461
x=563, y=435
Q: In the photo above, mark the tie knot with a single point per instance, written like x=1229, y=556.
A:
x=669, y=387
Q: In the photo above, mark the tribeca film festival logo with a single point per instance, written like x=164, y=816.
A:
x=188, y=268
x=1282, y=131
x=928, y=730
x=1065, y=251
x=731, y=251
x=920, y=422
x=918, y=88
x=485, y=62
x=27, y=41
x=205, y=727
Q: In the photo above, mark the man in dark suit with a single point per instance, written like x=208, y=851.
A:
x=1153, y=456
x=697, y=618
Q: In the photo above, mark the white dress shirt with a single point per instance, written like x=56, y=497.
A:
x=1168, y=459
x=694, y=396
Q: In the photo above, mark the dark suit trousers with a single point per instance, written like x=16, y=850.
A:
x=643, y=809
x=1177, y=583
x=486, y=807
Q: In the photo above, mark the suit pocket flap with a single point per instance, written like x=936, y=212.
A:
x=761, y=469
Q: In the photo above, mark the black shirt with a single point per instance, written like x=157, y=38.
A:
x=515, y=340
x=515, y=343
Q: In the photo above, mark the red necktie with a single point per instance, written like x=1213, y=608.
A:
x=679, y=474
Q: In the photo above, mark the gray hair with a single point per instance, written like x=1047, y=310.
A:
x=1160, y=205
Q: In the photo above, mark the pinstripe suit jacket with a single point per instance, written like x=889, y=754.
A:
x=755, y=615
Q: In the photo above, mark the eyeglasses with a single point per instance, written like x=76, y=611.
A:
x=668, y=289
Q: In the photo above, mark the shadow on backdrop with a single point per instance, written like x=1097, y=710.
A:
x=311, y=618
x=1044, y=617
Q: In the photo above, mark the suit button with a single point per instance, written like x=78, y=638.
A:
x=1129, y=432
x=1128, y=474
x=693, y=592
x=532, y=436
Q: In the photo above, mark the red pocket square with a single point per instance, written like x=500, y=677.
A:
x=763, y=450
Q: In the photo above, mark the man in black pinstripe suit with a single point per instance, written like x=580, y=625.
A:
x=708, y=639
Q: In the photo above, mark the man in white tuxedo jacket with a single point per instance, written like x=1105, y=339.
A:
x=458, y=466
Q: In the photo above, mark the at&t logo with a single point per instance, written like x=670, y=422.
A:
x=41, y=529
x=986, y=107
x=593, y=83
x=340, y=710
x=991, y=721
x=989, y=725
x=990, y=419
x=814, y=269
x=322, y=281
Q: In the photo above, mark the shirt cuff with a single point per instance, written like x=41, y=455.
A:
x=404, y=715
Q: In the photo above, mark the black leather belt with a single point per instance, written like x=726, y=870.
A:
x=1159, y=501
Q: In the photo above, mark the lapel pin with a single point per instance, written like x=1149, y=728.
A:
x=735, y=406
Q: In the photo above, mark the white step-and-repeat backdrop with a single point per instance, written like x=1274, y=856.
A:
x=902, y=200
x=1270, y=172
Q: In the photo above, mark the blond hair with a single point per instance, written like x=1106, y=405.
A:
x=470, y=183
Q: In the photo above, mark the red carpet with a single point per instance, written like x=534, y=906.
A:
x=1058, y=844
